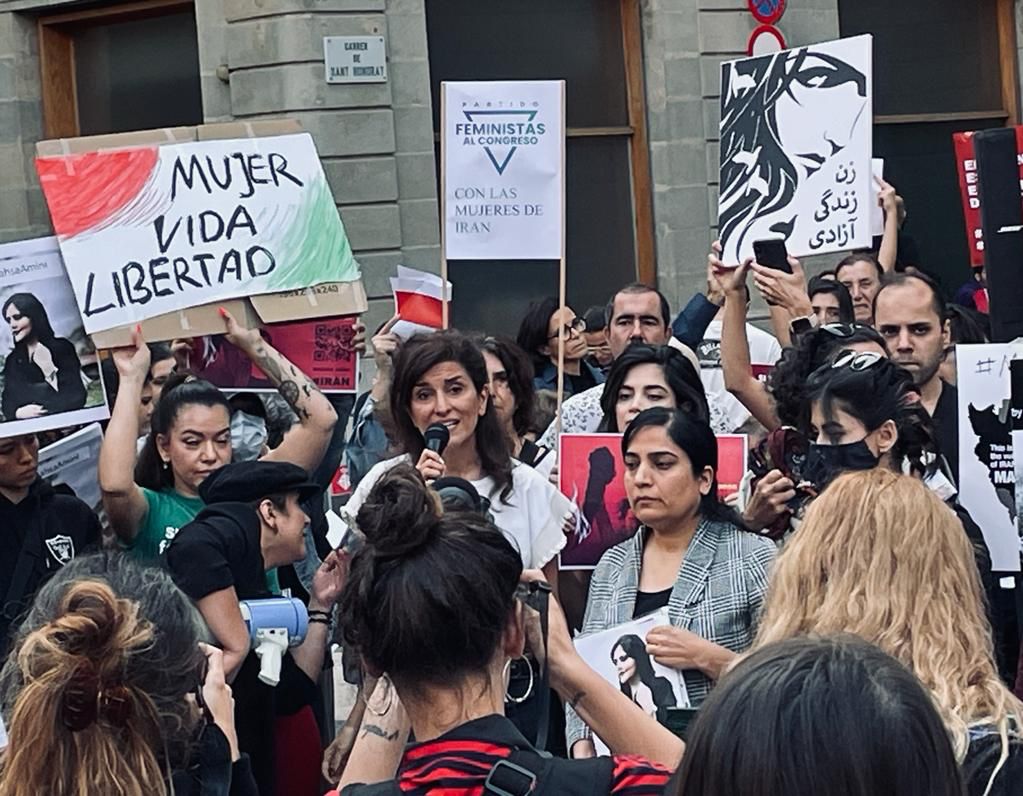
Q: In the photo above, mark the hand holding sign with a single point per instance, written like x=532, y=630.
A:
x=887, y=199
x=132, y=361
x=239, y=336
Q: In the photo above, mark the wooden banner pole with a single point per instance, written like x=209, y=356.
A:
x=562, y=277
x=443, y=206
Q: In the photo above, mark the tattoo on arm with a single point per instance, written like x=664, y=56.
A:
x=292, y=383
x=289, y=392
x=373, y=729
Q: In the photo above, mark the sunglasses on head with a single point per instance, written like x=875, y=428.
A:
x=857, y=360
x=841, y=329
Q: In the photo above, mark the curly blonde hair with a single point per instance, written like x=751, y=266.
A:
x=881, y=556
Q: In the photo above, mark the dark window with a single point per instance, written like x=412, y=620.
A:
x=583, y=43
x=929, y=57
x=138, y=75
x=938, y=69
x=112, y=69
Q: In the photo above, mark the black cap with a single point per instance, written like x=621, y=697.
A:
x=245, y=482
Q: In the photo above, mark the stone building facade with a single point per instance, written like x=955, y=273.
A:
x=264, y=59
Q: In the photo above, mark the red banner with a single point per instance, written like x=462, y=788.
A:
x=966, y=165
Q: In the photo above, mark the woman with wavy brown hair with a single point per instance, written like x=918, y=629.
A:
x=879, y=555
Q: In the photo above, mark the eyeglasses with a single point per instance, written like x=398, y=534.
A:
x=857, y=360
x=577, y=325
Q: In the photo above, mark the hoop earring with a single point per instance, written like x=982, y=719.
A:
x=507, y=676
x=384, y=679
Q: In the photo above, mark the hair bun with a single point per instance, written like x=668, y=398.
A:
x=400, y=513
x=91, y=623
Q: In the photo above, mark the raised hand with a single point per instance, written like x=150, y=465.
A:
x=238, y=335
x=132, y=360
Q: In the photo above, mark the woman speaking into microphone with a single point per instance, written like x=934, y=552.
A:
x=440, y=383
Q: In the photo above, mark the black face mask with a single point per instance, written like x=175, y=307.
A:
x=824, y=463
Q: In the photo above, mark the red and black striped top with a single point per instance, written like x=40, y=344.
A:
x=458, y=762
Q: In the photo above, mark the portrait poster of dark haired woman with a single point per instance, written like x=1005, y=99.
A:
x=796, y=147
x=49, y=372
x=619, y=655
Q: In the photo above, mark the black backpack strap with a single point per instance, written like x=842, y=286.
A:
x=543, y=595
x=528, y=772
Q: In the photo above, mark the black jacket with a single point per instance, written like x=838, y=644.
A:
x=24, y=383
x=219, y=549
x=38, y=536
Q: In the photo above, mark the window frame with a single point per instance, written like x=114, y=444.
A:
x=57, y=56
x=1009, y=68
x=644, y=245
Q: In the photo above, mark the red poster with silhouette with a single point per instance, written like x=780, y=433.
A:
x=591, y=473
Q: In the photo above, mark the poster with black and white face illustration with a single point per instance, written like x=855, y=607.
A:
x=987, y=472
x=49, y=377
x=1017, y=438
x=796, y=144
x=619, y=655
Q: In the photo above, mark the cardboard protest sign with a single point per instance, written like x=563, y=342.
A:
x=503, y=170
x=323, y=349
x=152, y=229
x=619, y=655
x=591, y=473
x=796, y=143
x=50, y=377
x=74, y=461
x=418, y=299
x=987, y=473
x=969, y=187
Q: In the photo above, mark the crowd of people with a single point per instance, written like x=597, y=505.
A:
x=835, y=624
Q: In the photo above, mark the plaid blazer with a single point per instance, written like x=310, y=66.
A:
x=718, y=594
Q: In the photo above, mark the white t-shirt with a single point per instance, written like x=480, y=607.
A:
x=531, y=520
x=727, y=414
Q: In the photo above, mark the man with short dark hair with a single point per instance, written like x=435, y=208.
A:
x=909, y=312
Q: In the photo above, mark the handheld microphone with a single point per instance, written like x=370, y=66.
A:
x=436, y=437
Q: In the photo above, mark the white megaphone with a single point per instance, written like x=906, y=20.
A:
x=274, y=624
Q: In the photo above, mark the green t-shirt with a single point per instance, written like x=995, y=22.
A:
x=168, y=513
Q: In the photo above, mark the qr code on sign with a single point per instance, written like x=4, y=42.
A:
x=333, y=343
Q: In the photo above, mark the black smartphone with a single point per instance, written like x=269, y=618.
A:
x=772, y=253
